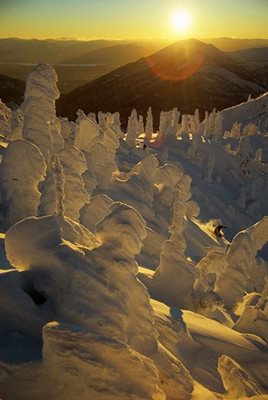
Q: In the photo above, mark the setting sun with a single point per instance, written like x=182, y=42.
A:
x=181, y=20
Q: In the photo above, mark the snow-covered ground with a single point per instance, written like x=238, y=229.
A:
x=113, y=283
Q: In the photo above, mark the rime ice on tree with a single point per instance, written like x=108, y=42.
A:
x=239, y=257
x=39, y=107
x=75, y=196
x=53, y=196
x=22, y=169
x=132, y=129
x=173, y=262
x=149, y=125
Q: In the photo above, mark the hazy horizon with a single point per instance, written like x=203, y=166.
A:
x=82, y=39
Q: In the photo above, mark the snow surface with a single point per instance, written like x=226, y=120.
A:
x=113, y=284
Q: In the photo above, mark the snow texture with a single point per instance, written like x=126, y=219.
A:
x=113, y=283
x=22, y=169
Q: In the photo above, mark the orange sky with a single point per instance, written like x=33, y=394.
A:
x=127, y=19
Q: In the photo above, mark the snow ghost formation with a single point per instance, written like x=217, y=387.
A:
x=173, y=250
x=240, y=256
x=86, y=132
x=165, y=179
x=75, y=195
x=128, y=319
x=53, y=194
x=94, y=211
x=140, y=125
x=149, y=126
x=137, y=186
x=116, y=124
x=39, y=107
x=132, y=129
x=236, y=380
x=103, y=165
x=22, y=169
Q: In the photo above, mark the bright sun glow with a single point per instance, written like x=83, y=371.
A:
x=181, y=20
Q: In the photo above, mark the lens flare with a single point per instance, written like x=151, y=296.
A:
x=177, y=68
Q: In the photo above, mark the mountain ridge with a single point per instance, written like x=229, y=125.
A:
x=188, y=74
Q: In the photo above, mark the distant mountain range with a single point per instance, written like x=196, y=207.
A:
x=189, y=74
x=259, y=54
x=235, y=44
x=255, y=60
x=19, y=56
x=116, y=55
x=56, y=51
x=217, y=79
x=76, y=62
x=47, y=51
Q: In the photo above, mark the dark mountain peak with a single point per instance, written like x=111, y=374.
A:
x=189, y=45
x=183, y=59
x=191, y=48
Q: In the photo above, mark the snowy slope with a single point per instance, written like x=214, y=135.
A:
x=252, y=111
x=113, y=282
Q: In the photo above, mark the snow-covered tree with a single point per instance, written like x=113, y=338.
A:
x=197, y=117
x=232, y=284
x=132, y=129
x=22, y=169
x=67, y=129
x=103, y=162
x=140, y=125
x=52, y=199
x=112, y=143
x=86, y=132
x=217, y=133
x=116, y=125
x=250, y=130
x=149, y=125
x=39, y=107
x=75, y=196
x=93, y=212
x=165, y=179
x=174, y=270
x=175, y=121
x=91, y=318
x=236, y=381
x=184, y=125
x=254, y=318
x=236, y=130
x=102, y=120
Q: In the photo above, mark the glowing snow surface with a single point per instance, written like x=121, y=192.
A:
x=113, y=283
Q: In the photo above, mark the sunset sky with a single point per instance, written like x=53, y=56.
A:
x=132, y=19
